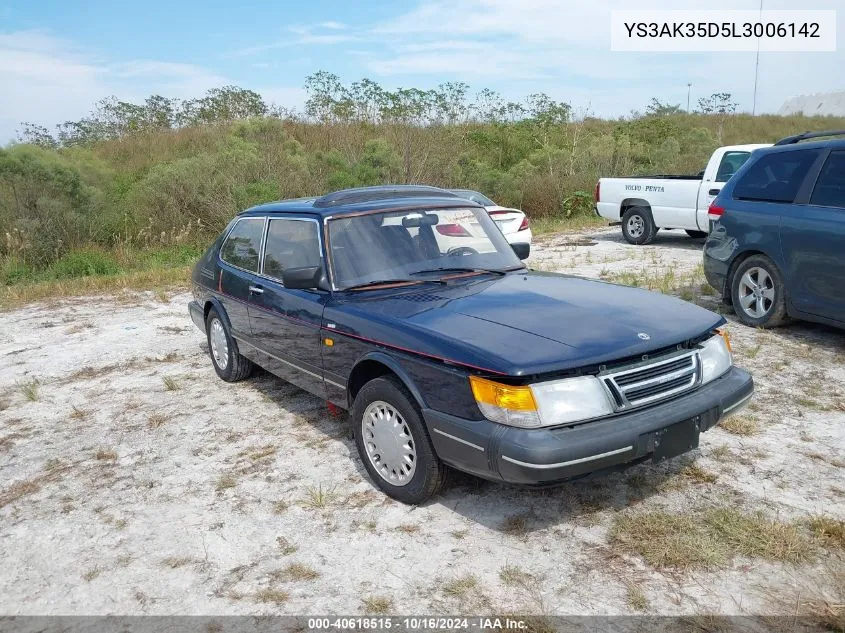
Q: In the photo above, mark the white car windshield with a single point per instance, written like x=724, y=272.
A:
x=415, y=245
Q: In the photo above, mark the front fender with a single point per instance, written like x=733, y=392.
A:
x=394, y=366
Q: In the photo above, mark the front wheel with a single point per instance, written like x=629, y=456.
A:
x=393, y=442
x=697, y=234
x=758, y=294
x=638, y=226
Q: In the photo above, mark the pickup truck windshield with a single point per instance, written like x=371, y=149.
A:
x=397, y=245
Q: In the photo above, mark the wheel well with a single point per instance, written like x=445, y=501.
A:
x=628, y=203
x=364, y=372
x=729, y=278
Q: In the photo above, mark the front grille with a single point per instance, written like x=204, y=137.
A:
x=655, y=380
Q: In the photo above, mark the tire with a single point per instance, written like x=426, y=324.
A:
x=387, y=397
x=767, y=306
x=697, y=235
x=638, y=226
x=236, y=367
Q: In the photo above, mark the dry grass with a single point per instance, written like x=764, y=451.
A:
x=226, y=481
x=30, y=389
x=78, y=414
x=408, y=528
x=516, y=524
x=261, y=453
x=296, y=572
x=18, y=491
x=174, y=562
x=635, y=597
x=318, y=498
x=741, y=425
x=287, y=548
x=171, y=384
x=377, y=605
x=699, y=475
x=271, y=595
x=461, y=586
x=514, y=576
x=709, y=539
x=22, y=294
x=91, y=574
x=106, y=454
x=155, y=420
x=831, y=531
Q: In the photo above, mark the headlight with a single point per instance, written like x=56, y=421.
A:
x=715, y=356
x=542, y=404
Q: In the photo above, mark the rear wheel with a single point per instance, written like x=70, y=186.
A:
x=697, y=234
x=758, y=294
x=638, y=226
x=223, y=349
x=393, y=442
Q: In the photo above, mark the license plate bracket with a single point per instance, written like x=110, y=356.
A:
x=677, y=439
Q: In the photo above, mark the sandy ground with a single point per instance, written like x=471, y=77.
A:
x=133, y=480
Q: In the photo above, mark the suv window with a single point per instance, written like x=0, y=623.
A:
x=776, y=177
x=830, y=187
x=243, y=244
x=291, y=244
x=731, y=162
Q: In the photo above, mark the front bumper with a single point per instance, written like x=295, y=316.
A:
x=547, y=456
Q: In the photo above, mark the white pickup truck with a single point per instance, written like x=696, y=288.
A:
x=645, y=204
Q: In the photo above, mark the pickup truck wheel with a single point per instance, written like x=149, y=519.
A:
x=758, y=293
x=697, y=234
x=638, y=226
x=393, y=442
x=223, y=349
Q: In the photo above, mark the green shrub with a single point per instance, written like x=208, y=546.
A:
x=84, y=263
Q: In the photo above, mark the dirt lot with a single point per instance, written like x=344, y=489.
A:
x=132, y=480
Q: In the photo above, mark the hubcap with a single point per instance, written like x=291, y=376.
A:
x=389, y=443
x=636, y=226
x=756, y=292
x=219, y=344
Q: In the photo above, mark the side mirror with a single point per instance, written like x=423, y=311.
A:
x=522, y=250
x=304, y=278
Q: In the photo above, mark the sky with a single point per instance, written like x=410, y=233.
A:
x=58, y=58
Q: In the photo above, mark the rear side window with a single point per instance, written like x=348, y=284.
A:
x=243, y=244
x=291, y=244
x=776, y=177
x=830, y=187
x=731, y=162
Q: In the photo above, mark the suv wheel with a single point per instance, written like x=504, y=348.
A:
x=393, y=442
x=638, y=226
x=223, y=349
x=758, y=294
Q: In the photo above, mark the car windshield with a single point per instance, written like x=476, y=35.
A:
x=474, y=196
x=415, y=245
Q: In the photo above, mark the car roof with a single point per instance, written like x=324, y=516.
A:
x=352, y=201
x=792, y=147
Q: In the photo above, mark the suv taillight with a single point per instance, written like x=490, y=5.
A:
x=715, y=212
x=597, y=194
x=524, y=224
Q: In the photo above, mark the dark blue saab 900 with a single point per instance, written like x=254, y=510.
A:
x=408, y=307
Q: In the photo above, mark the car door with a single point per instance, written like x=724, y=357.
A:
x=239, y=262
x=813, y=237
x=712, y=184
x=286, y=322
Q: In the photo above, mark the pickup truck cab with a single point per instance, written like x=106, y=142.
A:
x=645, y=204
x=458, y=358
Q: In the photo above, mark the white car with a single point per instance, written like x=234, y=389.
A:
x=512, y=222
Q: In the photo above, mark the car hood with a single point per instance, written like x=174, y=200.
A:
x=524, y=323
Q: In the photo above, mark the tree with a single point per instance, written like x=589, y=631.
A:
x=717, y=103
x=223, y=105
x=658, y=108
x=35, y=134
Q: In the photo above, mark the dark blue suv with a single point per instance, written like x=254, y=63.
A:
x=777, y=244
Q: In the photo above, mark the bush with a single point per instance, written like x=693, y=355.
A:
x=84, y=263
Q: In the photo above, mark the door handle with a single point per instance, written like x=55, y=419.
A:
x=713, y=192
x=256, y=290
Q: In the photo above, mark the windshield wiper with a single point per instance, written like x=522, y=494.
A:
x=459, y=269
x=384, y=282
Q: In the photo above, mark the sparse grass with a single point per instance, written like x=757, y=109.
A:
x=635, y=597
x=106, y=455
x=697, y=474
x=77, y=413
x=171, y=384
x=459, y=534
x=516, y=524
x=261, y=453
x=561, y=224
x=514, y=576
x=91, y=574
x=155, y=420
x=318, y=498
x=271, y=595
x=741, y=425
x=297, y=572
x=721, y=453
x=709, y=539
x=226, y=481
x=18, y=490
x=30, y=389
x=408, y=528
x=461, y=586
x=174, y=562
x=5, y=403
x=377, y=605
x=287, y=548
x=827, y=459
x=280, y=507
x=831, y=531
